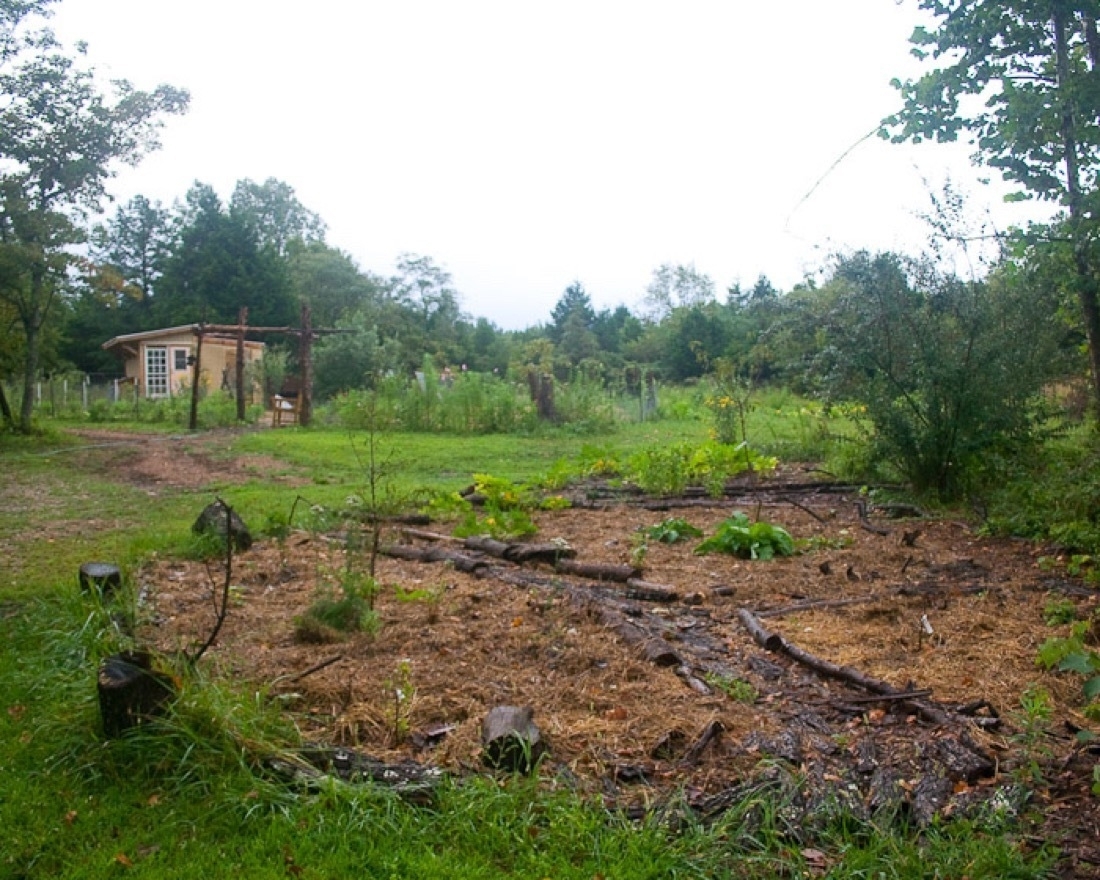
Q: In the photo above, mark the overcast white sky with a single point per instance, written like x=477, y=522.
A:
x=525, y=145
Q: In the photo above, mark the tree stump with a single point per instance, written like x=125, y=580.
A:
x=100, y=577
x=218, y=519
x=130, y=691
x=511, y=739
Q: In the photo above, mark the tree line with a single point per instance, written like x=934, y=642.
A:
x=869, y=327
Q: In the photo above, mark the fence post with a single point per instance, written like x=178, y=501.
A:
x=84, y=392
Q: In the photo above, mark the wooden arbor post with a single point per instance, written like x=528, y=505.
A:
x=242, y=326
x=196, y=374
x=305, y=363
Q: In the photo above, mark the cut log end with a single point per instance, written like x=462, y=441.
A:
x=102, y=578
x=511, y=739
x=130, y=691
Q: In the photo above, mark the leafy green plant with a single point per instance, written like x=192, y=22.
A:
x=1072, y=654
x=1034, y=721
x=496, y=523
x=738, y=536
x=735, y=688
x=555, y=502
x=671, y=468
x=1059, y=611
x=400, y=685
x=501, y=493
x=672, y=531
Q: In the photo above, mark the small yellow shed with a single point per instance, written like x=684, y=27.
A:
x=160, y=362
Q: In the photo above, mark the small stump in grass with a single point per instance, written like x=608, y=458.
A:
x=131, y=691
x=100, y=577
x=511, y=739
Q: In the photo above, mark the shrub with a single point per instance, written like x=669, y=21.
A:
x=950, y=372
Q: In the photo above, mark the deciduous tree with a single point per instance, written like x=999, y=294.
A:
x=61, y=136
x=1021, y=78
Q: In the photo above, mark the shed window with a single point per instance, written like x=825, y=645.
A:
x=156, y=371
x=179, y=359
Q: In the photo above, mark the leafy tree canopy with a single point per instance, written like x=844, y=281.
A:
x=1022, y=79
x=61, y=137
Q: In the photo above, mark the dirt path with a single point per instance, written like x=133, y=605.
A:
x=175, y=461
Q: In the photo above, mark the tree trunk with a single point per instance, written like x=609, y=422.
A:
x=1087, y=293
x=30, y=370
x=5, y=409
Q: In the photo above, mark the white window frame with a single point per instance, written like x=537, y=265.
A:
x=156, y=371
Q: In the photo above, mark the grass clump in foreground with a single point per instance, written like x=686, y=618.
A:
x=191, y=794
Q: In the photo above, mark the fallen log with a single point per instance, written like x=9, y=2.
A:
x=414, y=782
x=460, y=561
x=597, y=571
x=487, y=545
x=777, y=644
x=549, y=552
x=649, y=592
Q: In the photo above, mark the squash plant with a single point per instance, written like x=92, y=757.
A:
x=738, y=536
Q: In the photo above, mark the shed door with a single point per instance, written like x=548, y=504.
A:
x=156, y=371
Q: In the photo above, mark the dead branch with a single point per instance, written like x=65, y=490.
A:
x=819, y=603
x=861, y=509
x=777, y=644
x=803, y=508
x=223, y=611
x=324, y=664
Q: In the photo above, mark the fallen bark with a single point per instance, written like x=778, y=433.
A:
x=710, y=733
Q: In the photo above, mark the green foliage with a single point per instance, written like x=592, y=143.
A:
x=506, y=524
x=735, y=688
x=1054, y=496
x=950, y=372
x=672, y=468
x=335, y=612
x=672, y=531
x=737, y=536
x=470, y=403
x=1072, y=653
x=1059, y=611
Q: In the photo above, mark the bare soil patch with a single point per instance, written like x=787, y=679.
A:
x=156, y=462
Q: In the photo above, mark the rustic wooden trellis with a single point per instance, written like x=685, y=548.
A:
x=306, y=333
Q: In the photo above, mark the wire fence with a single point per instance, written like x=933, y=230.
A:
x=72, y=394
